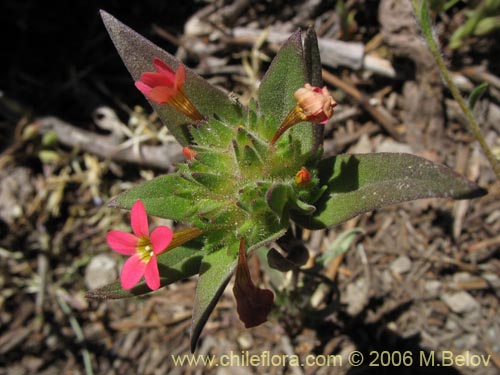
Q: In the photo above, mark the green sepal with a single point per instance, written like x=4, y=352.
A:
x=302, y=207
x=137, y=53
x=277, y=198
x=361, y=183
x=174, y=265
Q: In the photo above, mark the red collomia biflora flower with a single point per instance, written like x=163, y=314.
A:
x=167, y=87
x=314, y=104
x=142, y=248
x=303, y=177
x=252, y=303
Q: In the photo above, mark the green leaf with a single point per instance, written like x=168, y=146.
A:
x=177, y=264
x=287, y=73
x=314, y=75
x=137, y=53
x=425, y=19
x=339, y=246
x=476, y=94
x=361, y=183
x=160, y=197
x=215, y=272
x=487, y=25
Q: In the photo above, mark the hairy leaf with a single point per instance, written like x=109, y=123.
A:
x=161, y=197
x=286, y=74
x=361, y=183
x=137, y=53
x=216, y=270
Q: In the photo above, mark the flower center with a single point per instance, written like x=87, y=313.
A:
x=145, y=249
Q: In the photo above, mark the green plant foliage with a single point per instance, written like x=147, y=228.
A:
x=481, y=20
x=137, y=53
x=239, y=186
x=476, y=94
x=361, y=183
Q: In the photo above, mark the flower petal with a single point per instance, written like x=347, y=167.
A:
x=180, y=77
x=151, y=274
x=122, y=242
x=139, y=220
x=164, y=69
x=142, y=87
x=132, y=271
x=162, y=94
x=156, y=79
x=160, y=238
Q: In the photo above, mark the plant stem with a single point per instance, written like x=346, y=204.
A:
x=423, y=20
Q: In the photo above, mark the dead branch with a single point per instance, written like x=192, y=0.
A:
x=108, y=147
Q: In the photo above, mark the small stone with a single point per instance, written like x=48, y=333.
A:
x=432, y=288
x=245, y=340
x=462, y=277
x=401, y=265
x=100, y=271
x=451, y=325
x=460, y=302
x=466, y=341
x=392, y=146
x=356, y=296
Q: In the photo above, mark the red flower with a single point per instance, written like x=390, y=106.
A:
x=252, y=303
x=314, y=104
x=167, y=87
x=142, y=248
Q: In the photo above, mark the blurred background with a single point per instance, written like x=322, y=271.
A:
x=420, y=276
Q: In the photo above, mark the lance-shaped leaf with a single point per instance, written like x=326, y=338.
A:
x=314, y=74
x=177, y=264
x=287, y=73
x=361, y=183
x=160, y=196
x=137, y=53
x=215, y=272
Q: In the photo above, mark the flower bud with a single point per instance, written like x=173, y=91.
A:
x=317, y=104
x=303, y=177
x=189, y=153
x=314, y=104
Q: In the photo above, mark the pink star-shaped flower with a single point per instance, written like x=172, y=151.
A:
x=142, y=248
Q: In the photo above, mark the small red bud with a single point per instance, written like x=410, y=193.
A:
x=303, y=177
x=189, y=153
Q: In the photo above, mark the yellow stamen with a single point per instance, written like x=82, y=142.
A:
x=145, y=249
